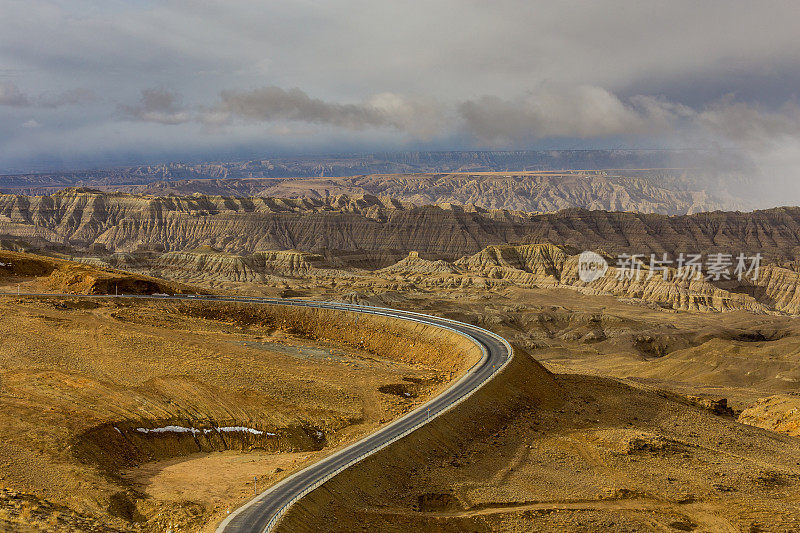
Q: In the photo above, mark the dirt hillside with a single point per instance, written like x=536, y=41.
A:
x=533, y=451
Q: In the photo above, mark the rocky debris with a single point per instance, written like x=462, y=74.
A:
x=403, y=390
x=414, y=264
x=635, y=442
x=383, y=299
x=61, y=276
x=718, y=406
x=779, y=413
x=20, y=511
x=438, y=502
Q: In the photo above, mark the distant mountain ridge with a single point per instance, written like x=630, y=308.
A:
x=357, y=239
x=348, y=165
x=531, y=192
x=373, y=231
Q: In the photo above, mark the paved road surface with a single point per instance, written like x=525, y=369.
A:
x=262, y=512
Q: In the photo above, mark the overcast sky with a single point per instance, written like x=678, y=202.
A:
x=116, y=80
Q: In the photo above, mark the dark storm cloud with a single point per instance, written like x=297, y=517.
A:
x=11, y=95
x=444, y=73
x=274, y=103
x=157, y=105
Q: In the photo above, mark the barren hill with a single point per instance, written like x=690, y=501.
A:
x=135, y=177
x=535, y=192
x=46, y=274
x=773, y=232
x=371, y=231
x=384, y=227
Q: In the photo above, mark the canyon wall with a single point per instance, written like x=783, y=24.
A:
x=384, y=229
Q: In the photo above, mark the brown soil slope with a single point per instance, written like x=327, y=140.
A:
x=533, y=451
x=37, y=273
x=98, y=396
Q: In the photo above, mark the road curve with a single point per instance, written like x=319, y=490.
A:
x=262, y=513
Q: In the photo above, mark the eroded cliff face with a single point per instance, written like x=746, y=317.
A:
x=773, y=232
x=383, y=229
x=534, y=192
x=776, y=289
x=362, y=240
x=546, y=265
x=125, y=223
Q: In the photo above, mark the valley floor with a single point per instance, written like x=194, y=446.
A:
x=645, y=419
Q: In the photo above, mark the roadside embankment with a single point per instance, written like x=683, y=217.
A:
x=397, y=340
x=387, y=478
x=206, y=422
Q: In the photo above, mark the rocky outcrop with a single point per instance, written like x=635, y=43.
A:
x=546, y=265
x=386, y=228
x=534, y=192
x=375, y=231
x=777, y=413
x=414, y=264
x=543, y=261
x=775, y=233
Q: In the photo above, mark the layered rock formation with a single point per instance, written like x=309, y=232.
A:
x=384, y=229
x=773, y=232
x=123, y=223
x=205, y=262
x=545, y=265
x=361, y=238
x=534, y=192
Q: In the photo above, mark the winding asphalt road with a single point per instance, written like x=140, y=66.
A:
x=262, y=513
